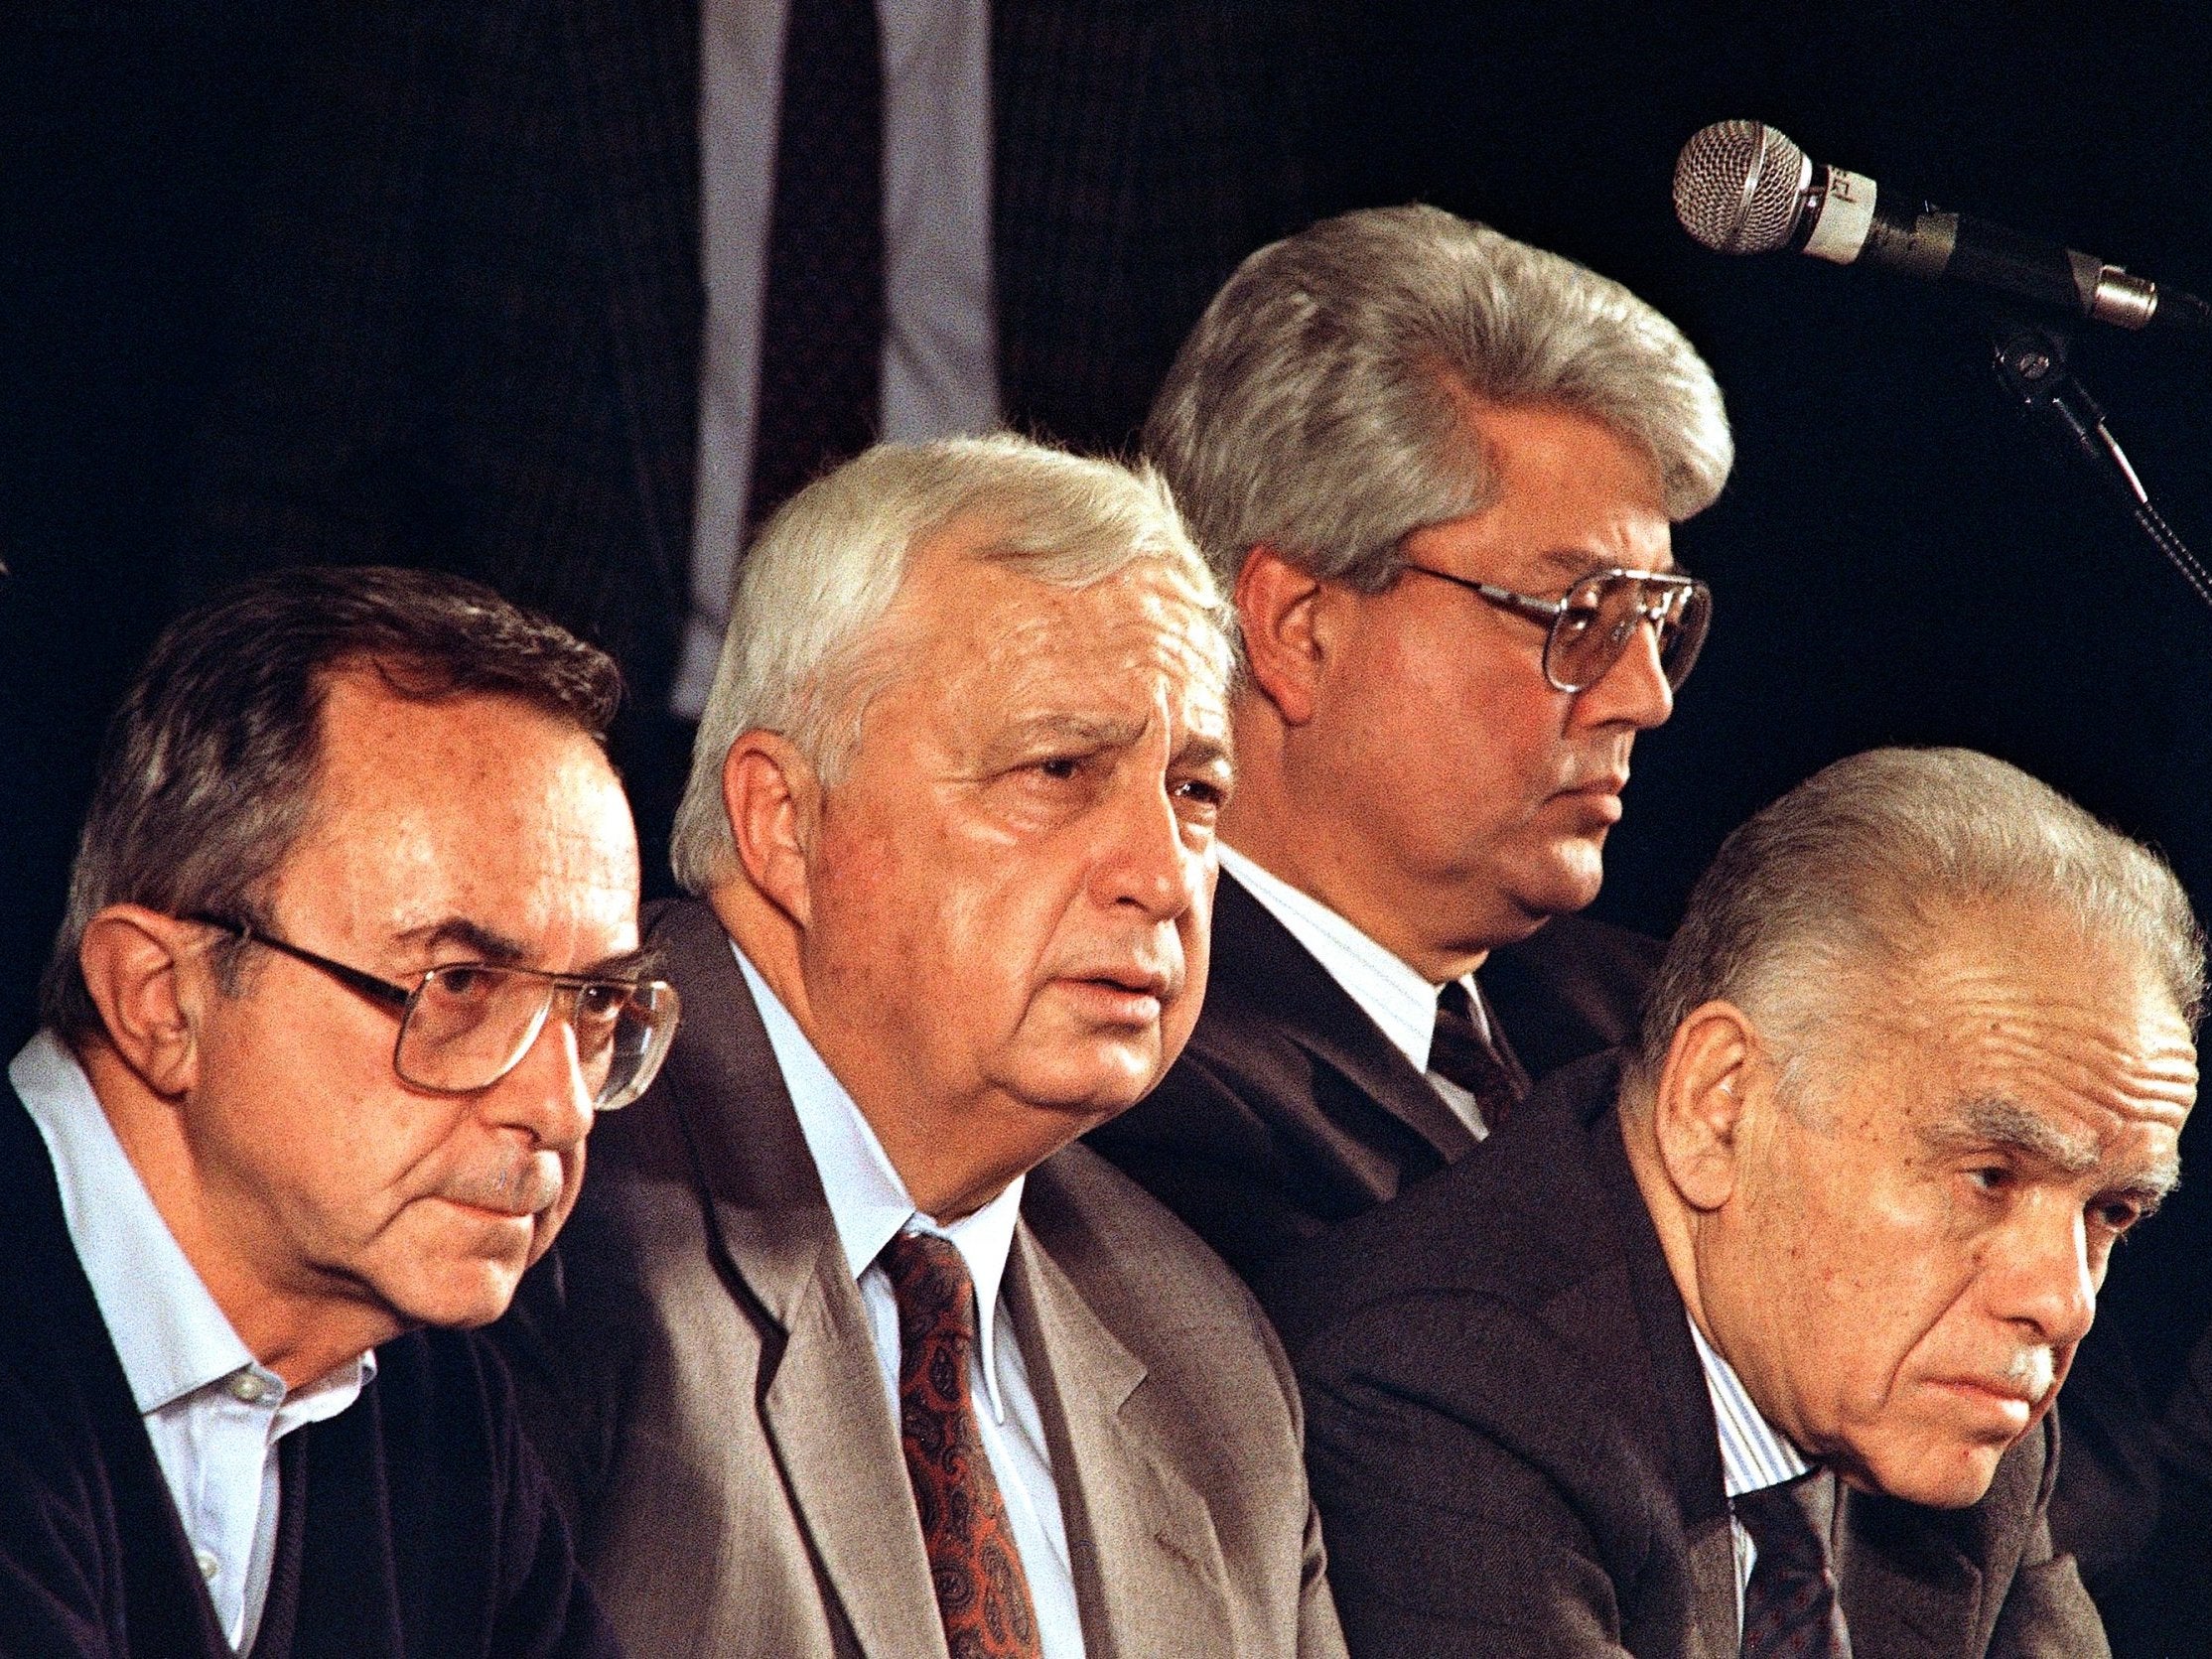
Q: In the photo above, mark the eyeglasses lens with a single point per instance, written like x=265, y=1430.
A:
x=1600, y=618
x=468, y=1026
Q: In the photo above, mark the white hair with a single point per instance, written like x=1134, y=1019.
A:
x=823, y=575
x=1865, y=864
x=1314, y=408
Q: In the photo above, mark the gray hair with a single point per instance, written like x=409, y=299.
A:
x=823, y=575
x=1862, y=865
x=208, y=775
x=1313, y=407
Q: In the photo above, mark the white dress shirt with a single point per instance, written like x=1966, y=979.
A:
x=1389, y=992
x=870, y=1205
x=213, y=1413
x=940, y=322
x=1755, y=1454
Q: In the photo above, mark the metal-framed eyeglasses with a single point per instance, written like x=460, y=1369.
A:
x=1593, y=623
x=464, y=1026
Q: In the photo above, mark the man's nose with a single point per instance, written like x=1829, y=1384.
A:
x=1634, y=691
x=2039, y=1274
x=549, y=1092
x=1141, y=859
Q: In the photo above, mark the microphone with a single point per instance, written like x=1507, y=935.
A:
x=1741, y=186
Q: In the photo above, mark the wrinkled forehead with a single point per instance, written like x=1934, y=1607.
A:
x=975, y=605
x=476, y=797
x=2015, y=1032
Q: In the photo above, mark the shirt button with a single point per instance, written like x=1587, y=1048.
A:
x=248, y=1386
x=209, y=1566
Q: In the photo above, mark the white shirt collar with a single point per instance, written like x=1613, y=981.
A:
x=169, y=1335
x=868, y=1203
x=1755, y=1454
x=1388, y=989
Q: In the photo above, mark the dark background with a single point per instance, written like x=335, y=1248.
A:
x=1897, y=559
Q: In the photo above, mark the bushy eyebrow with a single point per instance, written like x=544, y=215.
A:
x=1572, y=564
x=2000, y=1125
x=1202, y=751
x=1090, y=734
x=480, y=941
x=486, y=945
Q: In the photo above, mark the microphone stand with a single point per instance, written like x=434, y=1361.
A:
x=2030, y=364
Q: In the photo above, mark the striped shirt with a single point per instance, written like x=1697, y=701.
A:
x=1755, y=1454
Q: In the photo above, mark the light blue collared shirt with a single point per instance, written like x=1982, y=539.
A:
x=870, y=1205
x=1755, y=1454
x=213, y=1413
x=1388, y=989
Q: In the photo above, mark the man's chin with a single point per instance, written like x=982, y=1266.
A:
x=1561, y=886
x=1947, y=1475
x=1095, y=1085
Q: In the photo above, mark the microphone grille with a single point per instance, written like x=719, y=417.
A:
x=1737, y=185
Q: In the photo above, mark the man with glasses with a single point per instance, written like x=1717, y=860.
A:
x=1438, y=470
x=350, y=960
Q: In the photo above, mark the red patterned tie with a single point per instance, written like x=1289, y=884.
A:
x=983, y=1596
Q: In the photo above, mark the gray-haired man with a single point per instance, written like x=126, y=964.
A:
x=850, y=1351
x=1749, y=1345
x=1438, y=470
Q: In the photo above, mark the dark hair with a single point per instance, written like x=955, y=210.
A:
x=208, y=771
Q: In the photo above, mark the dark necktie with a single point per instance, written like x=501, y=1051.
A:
x=1790, y=1610
x=1460, y=1053
x=983, y=1596
x=822, y=303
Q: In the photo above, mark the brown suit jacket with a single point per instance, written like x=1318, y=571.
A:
x=696, y=1366
x=1515, y=1452
x=1290, y=1111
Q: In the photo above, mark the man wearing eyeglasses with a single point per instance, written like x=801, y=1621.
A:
x=1438, y=470
x=350, y=959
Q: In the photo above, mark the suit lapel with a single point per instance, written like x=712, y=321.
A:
x=1261, y=964
x=634, y=73
x=1149, y=1570
x=824, y=1408
x=1675, y=1413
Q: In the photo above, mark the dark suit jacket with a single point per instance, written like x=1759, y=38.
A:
x=413, y=1523
x=1515, y=1452
x=706, y=1387
x=472, y=335
x=1291, y=1111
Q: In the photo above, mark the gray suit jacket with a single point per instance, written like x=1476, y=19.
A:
x=696, y=1367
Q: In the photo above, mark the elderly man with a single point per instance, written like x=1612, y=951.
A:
x=1436, y=469
x=350, y=959
x=850, y=1353
x=1752, y=1347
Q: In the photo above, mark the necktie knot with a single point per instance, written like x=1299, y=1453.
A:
x=1461, y=1051
x=1790, y=1606
x=936, y=1298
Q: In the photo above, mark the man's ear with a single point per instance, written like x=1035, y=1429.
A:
x=1275, y=604
x=1714, y=1068
x=774, y=801
x=148, y=978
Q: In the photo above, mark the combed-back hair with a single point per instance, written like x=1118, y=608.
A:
x=1317, y=407
x=821, y=578
x=208, y=772
x=1867, y=861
